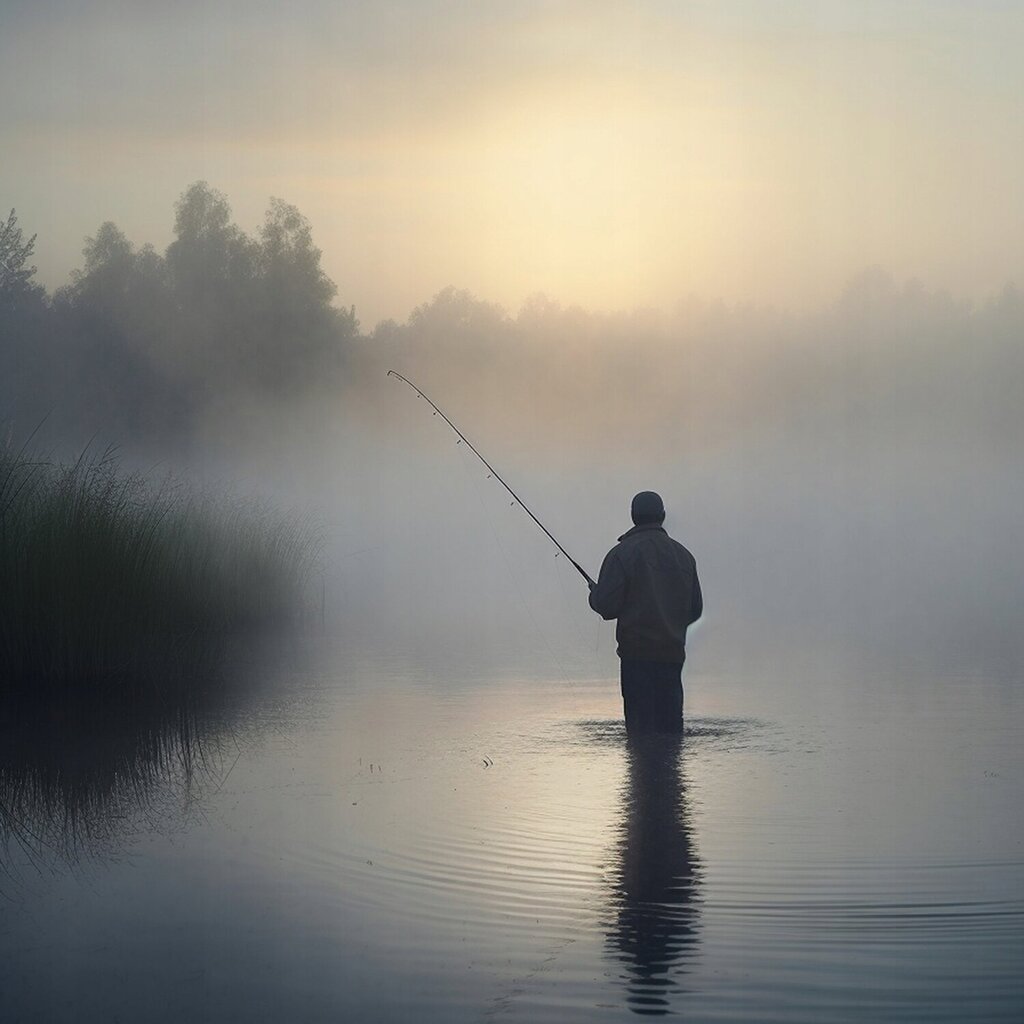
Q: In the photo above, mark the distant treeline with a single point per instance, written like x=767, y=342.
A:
x=884, y=364
x=140, y=343
x=141, y=347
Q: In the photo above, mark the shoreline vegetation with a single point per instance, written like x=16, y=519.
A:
x=116, y=588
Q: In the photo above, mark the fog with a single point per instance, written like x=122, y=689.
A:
x=290, y=679
x=848, y=478
x=612, y=155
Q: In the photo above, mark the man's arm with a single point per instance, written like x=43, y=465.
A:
x=607, y=594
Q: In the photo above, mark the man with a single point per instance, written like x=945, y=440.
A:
x=649, y=583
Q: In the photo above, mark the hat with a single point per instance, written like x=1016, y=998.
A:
x=647, y=506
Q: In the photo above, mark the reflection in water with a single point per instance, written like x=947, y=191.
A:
x=655, y=886
x=79, y=776
x=71, y=784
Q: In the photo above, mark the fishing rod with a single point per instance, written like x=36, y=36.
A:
x=494, y=473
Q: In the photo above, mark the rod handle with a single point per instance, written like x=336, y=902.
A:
x=583, y=572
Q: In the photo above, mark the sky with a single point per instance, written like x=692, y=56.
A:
x=606, y=154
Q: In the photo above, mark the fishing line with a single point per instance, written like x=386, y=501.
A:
x=497, y=476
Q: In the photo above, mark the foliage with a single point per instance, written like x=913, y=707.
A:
x=142, y=344
x=106, y=578
x=14, y=254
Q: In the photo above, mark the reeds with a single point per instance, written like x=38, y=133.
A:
x=105, y=580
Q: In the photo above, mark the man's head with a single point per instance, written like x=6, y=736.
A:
x=647, y=508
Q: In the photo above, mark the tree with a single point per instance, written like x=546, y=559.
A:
x=211, y=261
x=455, y=314
x=14, y=255
x=25, y=331
x=140, y=344
x=300, y=331
x=255, y=313
x=291, y=261
x=109, y=260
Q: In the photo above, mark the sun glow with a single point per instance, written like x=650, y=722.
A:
x=578, y=193
x=606, y=155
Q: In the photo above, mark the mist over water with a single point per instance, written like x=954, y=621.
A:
x=846, y=479
x=422, y=804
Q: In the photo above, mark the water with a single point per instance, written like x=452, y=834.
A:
x=385, y=835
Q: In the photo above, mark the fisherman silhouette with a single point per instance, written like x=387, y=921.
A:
x=656, y=877
x=648, y=582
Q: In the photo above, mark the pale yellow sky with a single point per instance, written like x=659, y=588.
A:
x=608, y=155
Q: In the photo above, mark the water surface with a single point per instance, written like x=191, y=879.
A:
x=387, y=835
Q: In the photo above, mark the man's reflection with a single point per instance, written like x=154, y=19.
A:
x=654, y=932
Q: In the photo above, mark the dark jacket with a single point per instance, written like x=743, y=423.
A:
x=649, y=583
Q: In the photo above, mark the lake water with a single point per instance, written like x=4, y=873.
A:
x=384, y=835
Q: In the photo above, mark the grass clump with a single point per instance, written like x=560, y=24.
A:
x=106, y=580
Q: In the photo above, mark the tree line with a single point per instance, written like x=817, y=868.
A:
x=139, y=342
x=140, y=347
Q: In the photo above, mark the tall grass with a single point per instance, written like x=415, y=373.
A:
x=105, y=580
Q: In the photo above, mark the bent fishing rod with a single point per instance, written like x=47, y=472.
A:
x=497, y=476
